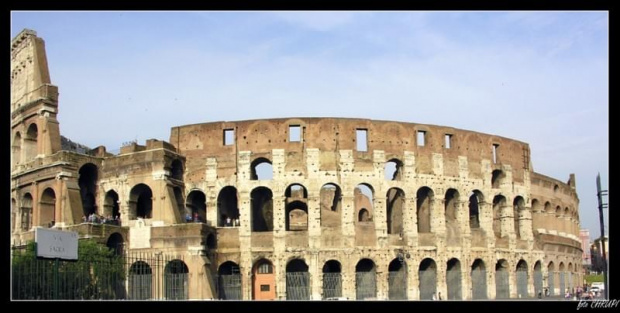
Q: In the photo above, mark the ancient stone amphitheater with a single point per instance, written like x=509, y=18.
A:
x=297, y=208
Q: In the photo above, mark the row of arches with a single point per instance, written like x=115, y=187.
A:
x=298, y=280
x=24, y=147
x=25, y=218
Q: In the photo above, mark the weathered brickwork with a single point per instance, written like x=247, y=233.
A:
x=302, y=195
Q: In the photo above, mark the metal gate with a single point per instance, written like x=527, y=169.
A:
x=397, y=282
x=479, y=284
x=551, y=282
x=428, y=284
x=453, y=280
x=562, y=284
x=538, y=282
x=229, y=287
x=502, y=285
x=175, y=285
x=522, y=284
x=570, y=281
x=365, y=285
x=332, y=285
x=140, y=286
x=298, y=286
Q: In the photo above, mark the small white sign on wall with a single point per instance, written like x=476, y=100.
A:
x=59, y=244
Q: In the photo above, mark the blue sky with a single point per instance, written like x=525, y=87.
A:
x=538, y=77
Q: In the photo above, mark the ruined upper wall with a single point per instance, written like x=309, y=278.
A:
x=330, y=135
x=30, y=78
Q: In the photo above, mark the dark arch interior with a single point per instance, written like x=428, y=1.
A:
x=227, y=206
x=296, y=266
x=262, y=209
x=115, y=243
x=332, y=266
x=365, y=265
x=88, y=188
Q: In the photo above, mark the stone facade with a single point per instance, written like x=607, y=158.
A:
x=302, y=195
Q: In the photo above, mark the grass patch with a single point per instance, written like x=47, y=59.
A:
x=594, y=278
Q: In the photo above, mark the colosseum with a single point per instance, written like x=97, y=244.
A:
x=297, y=208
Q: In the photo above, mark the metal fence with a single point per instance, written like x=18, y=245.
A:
x=130, y=276
x=538, y=282
x=298, y=286
x=428, y=284
x=562, y=284
x=453, y=280
x=551, y=282
x=397, y=284
x=332, y=285
x=502, y=285
x=522, y=281
x=365, y=285
x=479, y=284
x=229, y=287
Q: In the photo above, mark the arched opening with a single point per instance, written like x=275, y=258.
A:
x=497, y=178
x=115, y=243
x=26, y=212
x=363, y=216
x=453, y=280
x=176, y=280
x=179, y=201
x=397, y=280
x=228, y=207
x=16, y=149
x=548, y=208
x=424, y=202
x=296, y=211
x=88, y=188
x=261, y=169
x=395, y=206
x=13, y=214
x=211, y=242
x=478, y=280
x=475, y=199
x=562, y=279
x=140, y=202
x=111, y=207
x=558, y=211
x=450, y=206
x=331, y=202
x=47, y=208
x=522, y=279
x=229, y=281
x=30, y=143
x=140, y=281
x=427, y=274
x=332, y=280
x=393, y=169
x=551, y=274
x=196, y=207
x=538, y=279
x=569, y=277
x=364, y=198
x=502, y=285
x=536, y=207
x=296, y=218
x=262, y=209
x=263, y=281
x=499, y=202
x=176, y=170
x=518, y=211
x=297, y=280
x=365, y=280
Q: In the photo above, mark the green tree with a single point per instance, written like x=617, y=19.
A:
x=97, y=274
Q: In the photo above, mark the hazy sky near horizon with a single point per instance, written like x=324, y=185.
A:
x=537, y=77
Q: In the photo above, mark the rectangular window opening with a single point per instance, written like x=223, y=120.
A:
x=448, y=141
x=294, y=133
x=264, y=287
x=421, y=138
x=229, y=137
x=495, y=147
x=362, y=139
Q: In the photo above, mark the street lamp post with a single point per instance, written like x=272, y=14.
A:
x=600, y=193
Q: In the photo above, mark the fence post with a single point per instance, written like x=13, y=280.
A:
x=55, y=291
